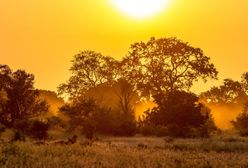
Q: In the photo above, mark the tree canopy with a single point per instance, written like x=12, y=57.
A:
x=19, y=99
x=230, y=91
x=166, y=64
x=89, y=69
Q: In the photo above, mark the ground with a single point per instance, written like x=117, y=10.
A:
x=138, y=152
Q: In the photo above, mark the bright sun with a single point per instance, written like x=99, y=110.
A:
x=140, y=8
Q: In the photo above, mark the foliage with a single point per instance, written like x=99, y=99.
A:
x=181, y=114
x=34, y=128
x=241, y=122
x=19, y=98
x=38, y=129
x=229, y=92
x=89, y=69
x=95, y=119
x=56, y=122
x=126, y=96
x=165, y=64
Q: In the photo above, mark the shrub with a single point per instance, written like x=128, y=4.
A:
x=2, y=128
x=126, y=127
x=38, y=129
x=56, y=122
x=147, y=130
x=18, y=136
x=94, y=119
x=89, y=129
x=33, y=128
x=241, y=122
x=180, y=115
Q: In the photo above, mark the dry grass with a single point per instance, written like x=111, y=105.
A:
x=138, y=152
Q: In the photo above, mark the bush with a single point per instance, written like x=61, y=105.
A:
x=162, y=131
x=33, y=128
x=56, y=122
x=147, y=130
x=241, y=122
x=89, y=129
x=38, y=129
x=2, y=128
x=94, y=119
x=18, y=136
x=126, y=127
x=180, y=115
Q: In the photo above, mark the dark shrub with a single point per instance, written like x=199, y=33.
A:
x=18, y=136
x=180, y=114
x=2, y=128
x=241, y=122
x=38, y=129
x=55, y=122
x=162, y=131
x=22, y=125
x=89, y=128
x=147, y=130
x=126, y=127
x=94, y=119
x=33, y=128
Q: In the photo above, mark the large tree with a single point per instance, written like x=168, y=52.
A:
x=165, y=64
x=89, y=69
x=19, y=100
x=94, y=75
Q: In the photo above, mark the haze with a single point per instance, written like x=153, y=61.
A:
x=42, y=36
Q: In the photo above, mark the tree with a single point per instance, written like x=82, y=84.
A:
x=230, y=92
x=89, y=69
x=21, y=99
x=126, y=96
x=181, y=113
x=241, y=122
x=165, y=64
x=79, y=111
x=244, y=82
x=87, y=115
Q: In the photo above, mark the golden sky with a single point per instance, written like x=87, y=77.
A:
x=41, y=36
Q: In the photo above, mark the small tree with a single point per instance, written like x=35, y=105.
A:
x=241, y=122
x=21, y=100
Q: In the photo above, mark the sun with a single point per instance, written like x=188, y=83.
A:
x=140, y=8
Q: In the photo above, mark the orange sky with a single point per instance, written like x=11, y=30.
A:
x=41, y=36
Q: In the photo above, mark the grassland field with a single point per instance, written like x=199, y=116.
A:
x=128, y=152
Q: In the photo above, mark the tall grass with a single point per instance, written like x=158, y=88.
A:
x=127, y=152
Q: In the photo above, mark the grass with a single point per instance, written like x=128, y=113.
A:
x=138, y=152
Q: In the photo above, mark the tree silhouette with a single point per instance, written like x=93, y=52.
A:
x=241, y=122
x=180, y=112
x=244, y=82
x=20, y=100
x=89, y=69
x=126, y=96
x=229, y=92
x=165, y=64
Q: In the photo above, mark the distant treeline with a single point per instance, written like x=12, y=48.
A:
x=102, y=93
